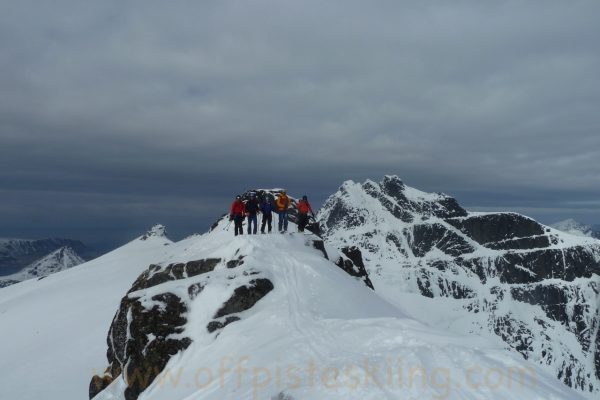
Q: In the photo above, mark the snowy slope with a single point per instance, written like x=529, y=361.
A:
x=53, y=330
x=59, y=260
x=573, y=227
x=318, y=334
x=501, y=275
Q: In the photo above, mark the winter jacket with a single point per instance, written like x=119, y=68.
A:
x=266, y=207
x=252, y=206
x=237, y=208
x=304, y=207
x=282, y=202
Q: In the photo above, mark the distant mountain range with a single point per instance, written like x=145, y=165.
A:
x=17, y=254
x=58, y=260
x=23, y=259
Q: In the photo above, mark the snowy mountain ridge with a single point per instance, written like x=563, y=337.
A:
x=59, y=260
x=268, y=316
x=252, y=317
x=573, y=227
x=16, y=254
x=501, y=275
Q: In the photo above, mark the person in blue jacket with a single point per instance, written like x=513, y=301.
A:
x=266, y=207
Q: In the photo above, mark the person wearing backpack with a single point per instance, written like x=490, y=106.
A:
x=266, y=208
x=236, y=214
x=251, y=212
x=282, y=204
x=303, y=209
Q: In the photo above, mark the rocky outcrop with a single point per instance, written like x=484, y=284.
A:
x=352, y=263
x=150, y=325
x=499, y=264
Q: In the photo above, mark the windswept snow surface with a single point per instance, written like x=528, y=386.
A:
x=573, y=227
x=53, y=331
x=320, y=334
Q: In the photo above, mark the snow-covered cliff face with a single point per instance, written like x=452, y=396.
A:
x=58, y=260
x=502, y=274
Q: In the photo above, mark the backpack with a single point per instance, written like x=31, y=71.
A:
x=282, y=202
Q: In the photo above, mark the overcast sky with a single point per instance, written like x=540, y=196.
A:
x=118, y=114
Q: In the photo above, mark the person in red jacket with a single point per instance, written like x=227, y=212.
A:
x=237, y=214
x=303, y=209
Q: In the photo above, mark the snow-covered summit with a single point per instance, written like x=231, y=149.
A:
x=16, y=254
x=502, y=275
x=58, y=260
x=573, y=227
x=158, y=231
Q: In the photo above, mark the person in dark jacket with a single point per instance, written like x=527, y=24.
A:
x=252, y=211
x=236, y=214
x=303, y=209
x=266, y=208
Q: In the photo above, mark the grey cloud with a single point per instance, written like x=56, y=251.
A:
x=486, y=101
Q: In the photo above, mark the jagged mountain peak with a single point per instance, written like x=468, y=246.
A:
x=16, y=254
x=501, y=274
x=368, y=204
x=58, y=260
x=157, y=231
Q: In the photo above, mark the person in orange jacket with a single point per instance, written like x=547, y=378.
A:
x=282, y=204
x=303, y=209
x=237, y=214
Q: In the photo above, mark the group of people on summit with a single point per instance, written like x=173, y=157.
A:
x=250, y=209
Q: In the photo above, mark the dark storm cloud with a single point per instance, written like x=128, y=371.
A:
x=167, y=106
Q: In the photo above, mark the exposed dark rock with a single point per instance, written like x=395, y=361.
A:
x=244, y=297
x=198, y=267
x=195, y=289
x=514, y=333
x=216, y=325
x=320, y=245
x=427, y=236
x=235, y=263
x=157, y=230
x=282, y=396
x=146, y=330
x=139, y=342
x=353, y=264
x=343, y=216
x=491, y=228
x=98, y=384
x=7, y=283
x=217, y=222
x=155, y=274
